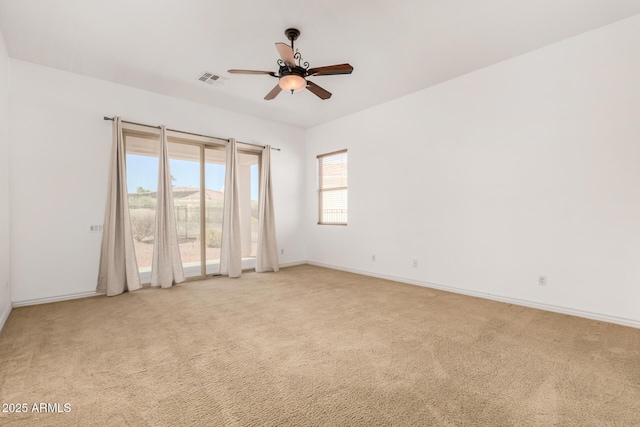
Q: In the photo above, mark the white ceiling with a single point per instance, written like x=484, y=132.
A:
x=396, y=47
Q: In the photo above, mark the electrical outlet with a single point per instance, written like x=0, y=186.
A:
x=542, y=280
x=281, y=251
x=373, y=257
x=415, y=263
x=95, y=228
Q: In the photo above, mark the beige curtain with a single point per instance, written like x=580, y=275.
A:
x=166, y=268
x=231, y=251
x=118, y=271
x=267, y=251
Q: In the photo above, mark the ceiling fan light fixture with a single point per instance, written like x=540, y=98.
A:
x=292, y=83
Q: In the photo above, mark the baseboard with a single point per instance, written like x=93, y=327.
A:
x=516, y=301
x=526, y=303
x=4, y=316
x=55, y=299
x=293, y=264
x=36, y=301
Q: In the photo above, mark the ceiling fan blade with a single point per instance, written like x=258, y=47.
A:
x=330, y=70
x=318, y=91
x=286, y=53
x=271, y=73
x=274, y=92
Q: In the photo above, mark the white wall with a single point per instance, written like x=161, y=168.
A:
x=529, y=167
x=5, y=291
x=60, y=148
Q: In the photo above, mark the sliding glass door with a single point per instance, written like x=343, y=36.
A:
x=142, y=186
x=248, y=174
x=214, y=174
x=198, y=179
x=185, y=164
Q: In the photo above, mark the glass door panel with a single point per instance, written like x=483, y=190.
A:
x=248, y=174
x=142, y=185
x=184, y=161
x=214, y=175
x=255, y=174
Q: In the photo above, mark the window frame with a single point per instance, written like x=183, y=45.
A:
x=321, y=190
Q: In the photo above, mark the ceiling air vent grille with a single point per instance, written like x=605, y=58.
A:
x=212, y=78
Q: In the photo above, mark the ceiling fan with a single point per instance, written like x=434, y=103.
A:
x=292, y=76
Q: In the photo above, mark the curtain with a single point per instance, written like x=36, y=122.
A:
x=166, y=267
x=267, y=250
x=231, y=250
x=118, y=270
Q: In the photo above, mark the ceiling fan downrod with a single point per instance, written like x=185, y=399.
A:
x=292, y=34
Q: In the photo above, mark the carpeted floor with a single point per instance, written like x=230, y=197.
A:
x=309, y=346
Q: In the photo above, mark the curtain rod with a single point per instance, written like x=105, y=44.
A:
x=190, y=133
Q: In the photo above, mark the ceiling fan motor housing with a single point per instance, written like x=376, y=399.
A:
x=297, y=71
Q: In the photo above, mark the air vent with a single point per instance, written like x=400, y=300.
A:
x=212, y=78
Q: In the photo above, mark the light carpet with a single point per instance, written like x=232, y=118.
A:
x=309, y=346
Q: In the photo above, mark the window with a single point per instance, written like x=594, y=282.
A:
x=332, y=188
